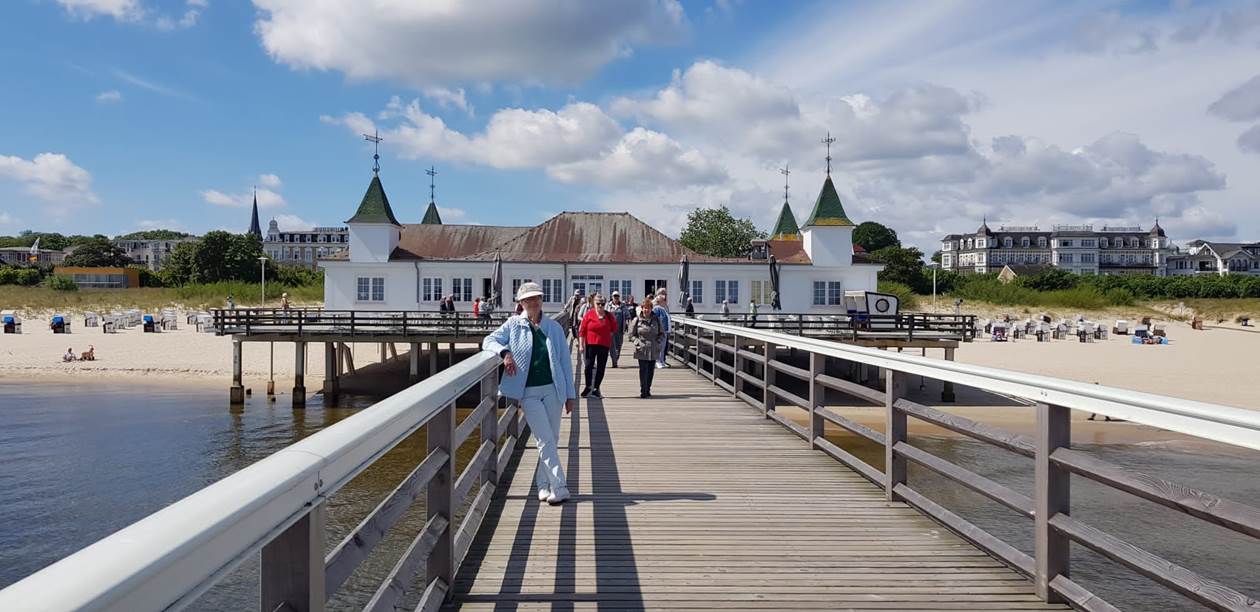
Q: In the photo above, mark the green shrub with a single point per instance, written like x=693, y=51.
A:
x=905, y=296
x=1120, y=296
x=61, y=282
x=1050, y=279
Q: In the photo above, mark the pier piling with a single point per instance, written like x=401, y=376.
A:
x=331, y=369
x=947, y=388
x=237, y=392
x=413, y=373
x=299, y=377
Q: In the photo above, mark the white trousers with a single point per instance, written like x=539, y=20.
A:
x=542, y=407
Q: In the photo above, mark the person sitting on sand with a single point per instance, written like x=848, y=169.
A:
x=89, y=355
x=69, y=356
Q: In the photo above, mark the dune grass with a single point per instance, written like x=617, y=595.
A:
x=42, y=299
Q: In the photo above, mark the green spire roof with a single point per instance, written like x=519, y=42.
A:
x=431, y=216
x=375, y=206
x=827, y=208
x=785, y=228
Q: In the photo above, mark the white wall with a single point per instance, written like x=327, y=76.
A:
x=341, y=285
x=829, y=246
x=372, y=242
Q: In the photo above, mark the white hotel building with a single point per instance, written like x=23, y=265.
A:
x=391, y=266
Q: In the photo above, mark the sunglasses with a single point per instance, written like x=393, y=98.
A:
x=599, y=303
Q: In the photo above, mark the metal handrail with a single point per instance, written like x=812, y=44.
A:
x=166, y=560
x=1227, y=424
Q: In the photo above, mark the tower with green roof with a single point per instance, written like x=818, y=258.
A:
x=374, y=230
x=828, y=232
x=785, y=228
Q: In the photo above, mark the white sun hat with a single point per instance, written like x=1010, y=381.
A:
x=528, y=290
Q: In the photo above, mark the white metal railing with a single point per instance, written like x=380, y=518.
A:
x=738, y=359
x=166, y=560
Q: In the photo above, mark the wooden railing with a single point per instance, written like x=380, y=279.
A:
x=277, y=506
x=352, y=322
x=908, y=326
x=722, y=353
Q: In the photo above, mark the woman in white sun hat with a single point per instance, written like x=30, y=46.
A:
x=537, y=374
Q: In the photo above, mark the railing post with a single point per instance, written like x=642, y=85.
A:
x=895, y=431
x=293, y=566
x=1052, y=496
x=768, y=397
x=440, y=434
x=490, y=425
x=714, y=353
x=738, y=362
x=817, y=396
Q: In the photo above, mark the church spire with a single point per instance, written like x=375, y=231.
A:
x=431, y=216
x=255, y=230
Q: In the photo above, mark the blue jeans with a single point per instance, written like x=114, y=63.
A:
x=542, y=408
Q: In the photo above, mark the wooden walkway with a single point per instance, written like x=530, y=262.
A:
x=693, y=500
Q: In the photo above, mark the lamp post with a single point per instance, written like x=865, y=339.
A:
x=262, y=261
x=934, y=266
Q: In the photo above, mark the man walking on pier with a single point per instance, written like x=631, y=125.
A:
x=538, y=375
x=661, y=310
x=621, y=312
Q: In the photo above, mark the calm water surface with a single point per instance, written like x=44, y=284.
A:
x=78, y=462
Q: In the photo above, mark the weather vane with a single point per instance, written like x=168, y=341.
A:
x=785, y=172
x=432, y=172
x=375, y=139
x=827, y=141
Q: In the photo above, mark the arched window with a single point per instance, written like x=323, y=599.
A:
x=1007, y=242
x=1025, y=242
x=1041, y=242
x=1104, y=243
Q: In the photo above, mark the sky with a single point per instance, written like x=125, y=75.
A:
x=121, y=115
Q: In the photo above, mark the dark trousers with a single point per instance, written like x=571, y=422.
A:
x=596, y=360
x=647, y=369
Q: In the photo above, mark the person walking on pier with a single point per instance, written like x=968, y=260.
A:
x=538, y=375
x=752, y=312
x=596, y=332
x=691, y=308
x=661, y=310
x=621, y=312
x=645, y=333
x=726, y=310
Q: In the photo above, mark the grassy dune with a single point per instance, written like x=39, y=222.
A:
x=42, y=299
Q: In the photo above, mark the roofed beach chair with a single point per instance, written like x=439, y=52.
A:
x=204, y=322
x=1087, y=331
x=1141, y=331
x=90, y=319
x=1121, y=328
x=12, y=323
x=1158, y=330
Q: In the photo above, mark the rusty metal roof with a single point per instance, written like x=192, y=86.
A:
x=788, y=251
x=596, y=237
x=427, y=241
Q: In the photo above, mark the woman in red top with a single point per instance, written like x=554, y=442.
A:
x=596, y=332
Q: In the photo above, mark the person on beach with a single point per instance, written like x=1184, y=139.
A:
x=661, y=310
x=231, y=302
x=538, y=375
x=645, y=334
x=691, y=308
x=90, y=355
x=621, y=312
x=596, y=332
x=69, y=356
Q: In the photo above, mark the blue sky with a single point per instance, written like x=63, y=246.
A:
x=130, y=114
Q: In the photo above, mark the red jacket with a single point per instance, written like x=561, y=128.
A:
x=595, y=331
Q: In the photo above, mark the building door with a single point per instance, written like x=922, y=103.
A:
x=486, y=288
x=650, y=286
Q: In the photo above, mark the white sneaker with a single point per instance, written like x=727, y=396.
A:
x=659, y=365
x=558, y=496
x=544, y=494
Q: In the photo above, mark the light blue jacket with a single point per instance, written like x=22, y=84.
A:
x=661, y=312
x=516, y=336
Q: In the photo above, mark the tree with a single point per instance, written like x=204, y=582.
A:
x=902, y=265
x=98, y=253
x=157, y=234
x=936, y=256
x=222, y=256
x=715, y=232
x=180, y=268
x=873, y=236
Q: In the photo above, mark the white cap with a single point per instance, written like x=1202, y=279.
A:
x=528, y=290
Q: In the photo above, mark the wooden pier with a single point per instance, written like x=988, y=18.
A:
x=694, y=500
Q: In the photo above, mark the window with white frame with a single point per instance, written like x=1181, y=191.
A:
x=623, y=287
x=1041, y=242
x=762, y=291
x=431, y=289
x=1007, y=242
x=553, y=290
x=516, y=285
x=1087, y=243
x=1025, y=242
x=820, y=293
x=697, y=291
x=726, y=290
x=835, y=294
x=461, y=289
x=370, y=289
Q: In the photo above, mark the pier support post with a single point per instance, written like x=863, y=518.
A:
x=384, y=355
x=413, y=373
x=817, y=396
x=895, y=431
x=293, y=566
x=271, y=371
x=331, y=369
x=299, y=376
x=236, y=394
x=433, y=351
x=1052, y=496
x=768, y=398
x=947, y=387
x=440, y=435
x=450, y=355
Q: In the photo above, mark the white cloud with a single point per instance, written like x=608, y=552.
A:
x=109, y=97
x=189, y=19
x=154, y=224
x=157, y=88
x=1241, y=103
x=266, y=198
x=448, y=98
x=642, y=159
x=120, y=10
x=270, y=181
x=53, y=178
x=453, y=215
x=439, y=43
x=292, y=223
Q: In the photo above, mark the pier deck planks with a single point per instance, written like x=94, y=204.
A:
x=693, y=500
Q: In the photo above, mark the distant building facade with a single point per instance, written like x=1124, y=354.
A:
x=1079, y=249
x=1220, y=258
x=21, y=256
x=304, y=247
x=101, y=278
x=152, y=254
